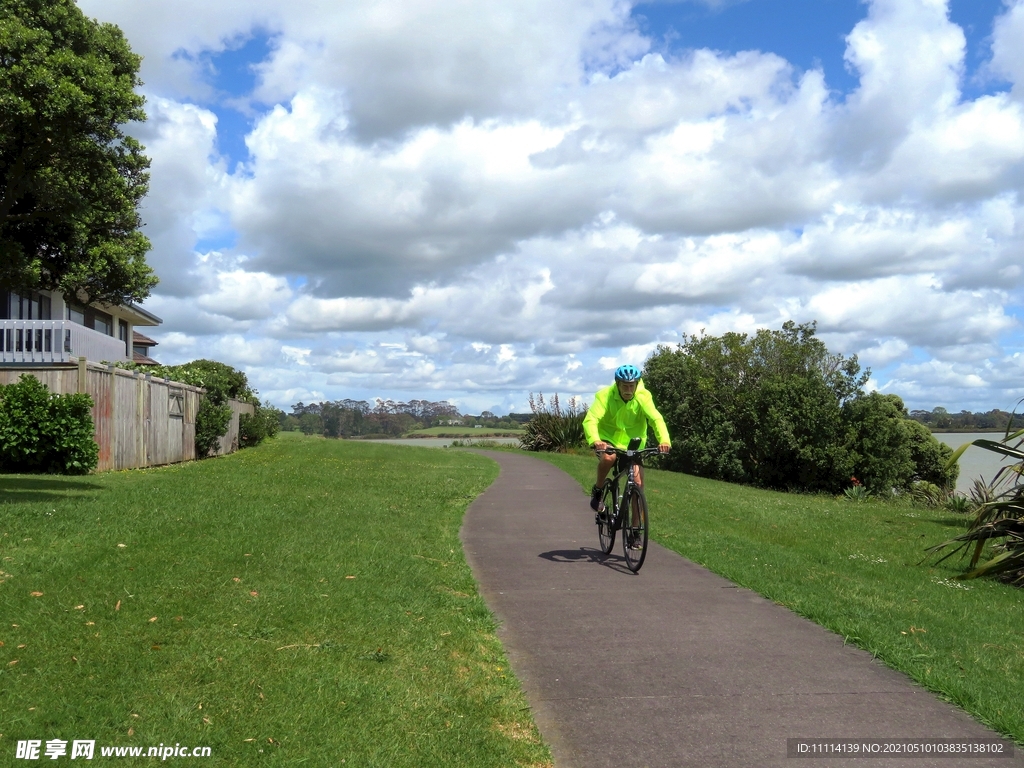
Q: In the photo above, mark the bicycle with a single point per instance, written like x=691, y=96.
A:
x=631, y=502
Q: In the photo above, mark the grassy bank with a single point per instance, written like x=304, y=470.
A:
x=856, y=569
x=304, y=602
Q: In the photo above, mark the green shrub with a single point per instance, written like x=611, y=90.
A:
x=878, y=443
x=477, y=444
x=764, y=410
x=931, y=456
x=45, y=432
x=959, y=503
x=929, y=494
x=552, y=428
x=221, y=381
x=254, y=428
x=891, y=451
x=212, y=422
x=778, y=410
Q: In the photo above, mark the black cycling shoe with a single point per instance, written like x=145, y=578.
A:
x=595, y=500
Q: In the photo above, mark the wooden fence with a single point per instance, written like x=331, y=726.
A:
x=138, y=420
x=229, y=441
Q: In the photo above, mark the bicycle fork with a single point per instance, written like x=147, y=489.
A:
x=625, y=514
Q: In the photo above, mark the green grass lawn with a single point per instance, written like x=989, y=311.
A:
x=464, y=432
x=856, y=569
x=304, y=602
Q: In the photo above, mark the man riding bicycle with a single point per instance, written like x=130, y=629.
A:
x=621, y=412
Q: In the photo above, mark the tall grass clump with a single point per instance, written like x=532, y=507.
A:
x=554, y=428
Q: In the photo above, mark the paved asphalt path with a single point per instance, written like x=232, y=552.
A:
x=674, y=666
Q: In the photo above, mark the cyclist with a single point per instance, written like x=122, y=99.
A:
x=620, y=412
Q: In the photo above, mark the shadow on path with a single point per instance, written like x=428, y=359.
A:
x=587, y=555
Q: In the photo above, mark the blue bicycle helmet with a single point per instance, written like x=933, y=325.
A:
x=627, y=373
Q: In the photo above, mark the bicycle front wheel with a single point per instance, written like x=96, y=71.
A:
x=634, y=530
x=606, y=519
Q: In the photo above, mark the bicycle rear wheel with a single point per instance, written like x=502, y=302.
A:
x=634, y=529
x=606, y=520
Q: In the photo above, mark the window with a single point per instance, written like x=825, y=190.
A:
x=91, y=318
x=76, y=313
x=101, y=322
x=32, y=306
x=122, y=334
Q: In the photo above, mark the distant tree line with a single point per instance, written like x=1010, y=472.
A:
x=385, y=418
x=941, y=420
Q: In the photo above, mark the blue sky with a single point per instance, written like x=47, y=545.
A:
x=232, y=74
x=477, y=203
x=810, y=34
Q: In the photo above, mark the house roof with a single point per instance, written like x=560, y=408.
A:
x=142, y=341
x=133, y=312
x=143, y=359
x=143, y=317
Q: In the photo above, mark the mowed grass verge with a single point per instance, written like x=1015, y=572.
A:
x=855, y=568
x=303, y=602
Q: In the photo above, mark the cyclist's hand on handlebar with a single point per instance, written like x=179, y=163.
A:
x=664, y=448
x=600, y=447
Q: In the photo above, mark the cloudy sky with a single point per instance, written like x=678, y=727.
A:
x=475, y=199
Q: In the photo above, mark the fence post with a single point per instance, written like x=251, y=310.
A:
x=114, y=425
x=140, y=421
x=82, y=373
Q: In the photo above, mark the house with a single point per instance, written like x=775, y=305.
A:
x=140, y=349
x=139, y=420
x=46, y=327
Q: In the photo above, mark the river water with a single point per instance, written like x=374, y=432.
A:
x=975, y=461
x=443, y=442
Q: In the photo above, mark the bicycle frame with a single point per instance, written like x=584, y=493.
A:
x=625, y=511
x=627, y=460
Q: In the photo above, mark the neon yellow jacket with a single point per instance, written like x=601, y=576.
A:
x=612, y=420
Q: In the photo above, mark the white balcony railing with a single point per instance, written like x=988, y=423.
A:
x=56, y=341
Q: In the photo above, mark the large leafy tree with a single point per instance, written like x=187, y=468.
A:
x=781, y=411
x=70, y=179
x=764, y=409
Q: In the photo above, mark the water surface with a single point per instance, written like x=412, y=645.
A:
x=975, y=462
x=443, y=442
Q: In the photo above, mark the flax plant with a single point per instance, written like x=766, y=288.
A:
x=999, y=518
x=554, y=428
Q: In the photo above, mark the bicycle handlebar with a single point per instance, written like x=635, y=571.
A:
x=613, y=451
